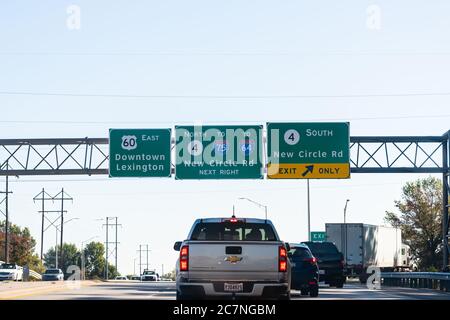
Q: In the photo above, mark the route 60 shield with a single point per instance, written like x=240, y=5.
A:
x=129, y=142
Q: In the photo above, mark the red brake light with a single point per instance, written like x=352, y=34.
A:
x=282, y=259
x=312, y=260
x=184, y=258
x=283, y=252
x=233, y=220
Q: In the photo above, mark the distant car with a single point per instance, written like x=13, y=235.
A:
x=149, y=276
x=136, y=278
x=121, y=278
x=304, y=270
x=53, y=275
x=11, y=271
x=331, y=263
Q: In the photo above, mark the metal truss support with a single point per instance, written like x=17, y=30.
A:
x=397, y=154
x=53, y=157
x=429, y=154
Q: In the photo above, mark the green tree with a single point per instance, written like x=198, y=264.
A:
x=112, y=271
x=420, y=220
x=95, y=262
x=171, y=275
x=21, y=247
x=71, y=256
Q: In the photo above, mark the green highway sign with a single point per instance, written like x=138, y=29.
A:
x=219, y=152
x=139, y=153
x=308, y=150
x=318, y=236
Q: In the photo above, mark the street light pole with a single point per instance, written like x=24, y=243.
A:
x=309, y=210
x=56, y=249
x=258, y=204
x=56, y=245
x=83, y=257
x=346, y=229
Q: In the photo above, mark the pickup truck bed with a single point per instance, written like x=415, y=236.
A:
x=248, y=265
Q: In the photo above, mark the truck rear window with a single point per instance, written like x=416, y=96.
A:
x=299, y=253
x=233, y=232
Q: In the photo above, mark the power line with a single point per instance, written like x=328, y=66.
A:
x=227, y=97
x=170, y=122
x=226, y=53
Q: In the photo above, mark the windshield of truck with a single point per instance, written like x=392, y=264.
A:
x=222, y=231
x=8, y=266
x=321, y=249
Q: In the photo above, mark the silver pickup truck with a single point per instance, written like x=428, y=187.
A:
x=233, y=258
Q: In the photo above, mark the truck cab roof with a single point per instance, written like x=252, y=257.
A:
x=224, y=219
x=233, y=229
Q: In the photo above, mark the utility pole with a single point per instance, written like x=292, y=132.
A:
x=6, y=200
x=62, y=196
x=116, y=245
x=107, y=249
x=140, y=260
x=43, y=196
x=107, y=243
x=140, y=257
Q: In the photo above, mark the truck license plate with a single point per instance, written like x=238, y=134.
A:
x=321, y=271
x=234, y=287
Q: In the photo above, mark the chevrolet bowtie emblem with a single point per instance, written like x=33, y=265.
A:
x=233, y=259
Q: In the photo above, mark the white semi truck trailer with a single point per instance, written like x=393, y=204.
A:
x=364, y=246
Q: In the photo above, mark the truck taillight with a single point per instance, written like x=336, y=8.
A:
x=282, y=259
x=184, y=258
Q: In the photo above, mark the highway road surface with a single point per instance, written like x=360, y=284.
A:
x=90, y=290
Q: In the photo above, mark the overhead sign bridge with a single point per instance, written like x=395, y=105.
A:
x=367, y=154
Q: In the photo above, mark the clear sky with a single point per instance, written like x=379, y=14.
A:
x=234, y=57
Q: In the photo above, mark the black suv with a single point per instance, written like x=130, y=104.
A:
x=331, y=263
x=304, y=270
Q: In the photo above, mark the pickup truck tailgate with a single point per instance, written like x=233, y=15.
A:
x=242, y=256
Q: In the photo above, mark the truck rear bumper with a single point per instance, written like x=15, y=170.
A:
x=215, y=290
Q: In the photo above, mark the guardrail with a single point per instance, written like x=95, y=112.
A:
x=427, y=280
x=35, y=275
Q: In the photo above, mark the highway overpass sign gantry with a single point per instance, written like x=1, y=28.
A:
x=139, y=153
x=369, y=154
x=219, y=152
x=308, y=150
